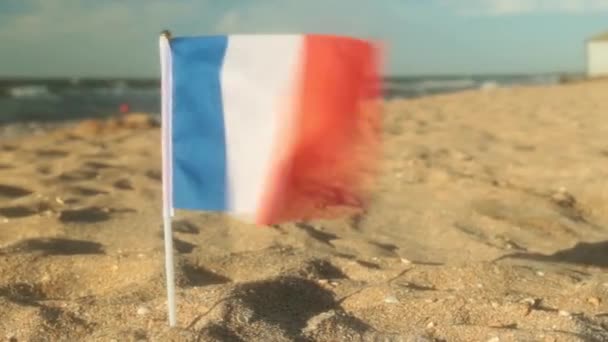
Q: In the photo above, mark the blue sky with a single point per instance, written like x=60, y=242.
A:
x=119, y=38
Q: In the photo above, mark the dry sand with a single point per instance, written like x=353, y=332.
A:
x=490, y=223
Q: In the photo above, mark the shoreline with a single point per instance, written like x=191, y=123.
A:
x=45, y=100
x=20, y=129
x=16, y=128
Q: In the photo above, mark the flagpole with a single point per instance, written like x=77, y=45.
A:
x=166, y=97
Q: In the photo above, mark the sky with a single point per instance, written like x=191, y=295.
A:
x=112, y=38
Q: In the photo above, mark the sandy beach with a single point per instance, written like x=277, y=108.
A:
x=489, y=223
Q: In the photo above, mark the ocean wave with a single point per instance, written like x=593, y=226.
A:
x=408, y=87
x=447, y=84
x=51, y=100
x=488, y=85
x=30, y=91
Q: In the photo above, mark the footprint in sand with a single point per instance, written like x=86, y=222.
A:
x=78, y=175
x=186, y=227
x=51, y=153
x=319, y=269
x=368, y=264
x=51, y=315
x=195, y=276
x=10, y=191
x=289, y=304
x=154, y=175
x=55, y=246
x=123, y=184
x=416, y=287
x=524, y=147
x=44, y=169
x=100, y=165
x=108, y=155
x=23, y=293
x=316, y=234
x=85, y=215
x=180, y=246
x=356, y=221
x=17, y=211
x=183, y=247
x=89, y=171
x=85, y=191
x=495, y=241
x=385, y=246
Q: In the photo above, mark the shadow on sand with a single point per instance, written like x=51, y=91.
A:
x=587, y=254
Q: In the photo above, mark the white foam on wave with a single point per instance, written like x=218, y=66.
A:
x=489, y=85
x=30, y=91
x=446, y=84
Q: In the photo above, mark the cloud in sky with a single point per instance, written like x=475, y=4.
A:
x=338, y=16
x=84, y=37
x=118, y=38
x=36, y=17
x=510, y=7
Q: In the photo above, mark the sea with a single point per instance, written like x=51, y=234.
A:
x=53, y=101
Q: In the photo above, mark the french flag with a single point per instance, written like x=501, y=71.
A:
x=270, y=128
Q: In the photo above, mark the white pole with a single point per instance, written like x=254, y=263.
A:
x=166, y=104
x=169, y=271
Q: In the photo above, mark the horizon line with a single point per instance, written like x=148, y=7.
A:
x=386, y=76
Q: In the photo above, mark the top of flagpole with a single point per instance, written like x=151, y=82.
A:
x=166, y=34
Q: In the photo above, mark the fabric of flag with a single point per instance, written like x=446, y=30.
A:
x=270, y=127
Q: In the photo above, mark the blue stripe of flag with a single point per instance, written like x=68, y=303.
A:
x=198, y=137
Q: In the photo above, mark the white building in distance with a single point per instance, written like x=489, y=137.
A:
x=597, y=56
